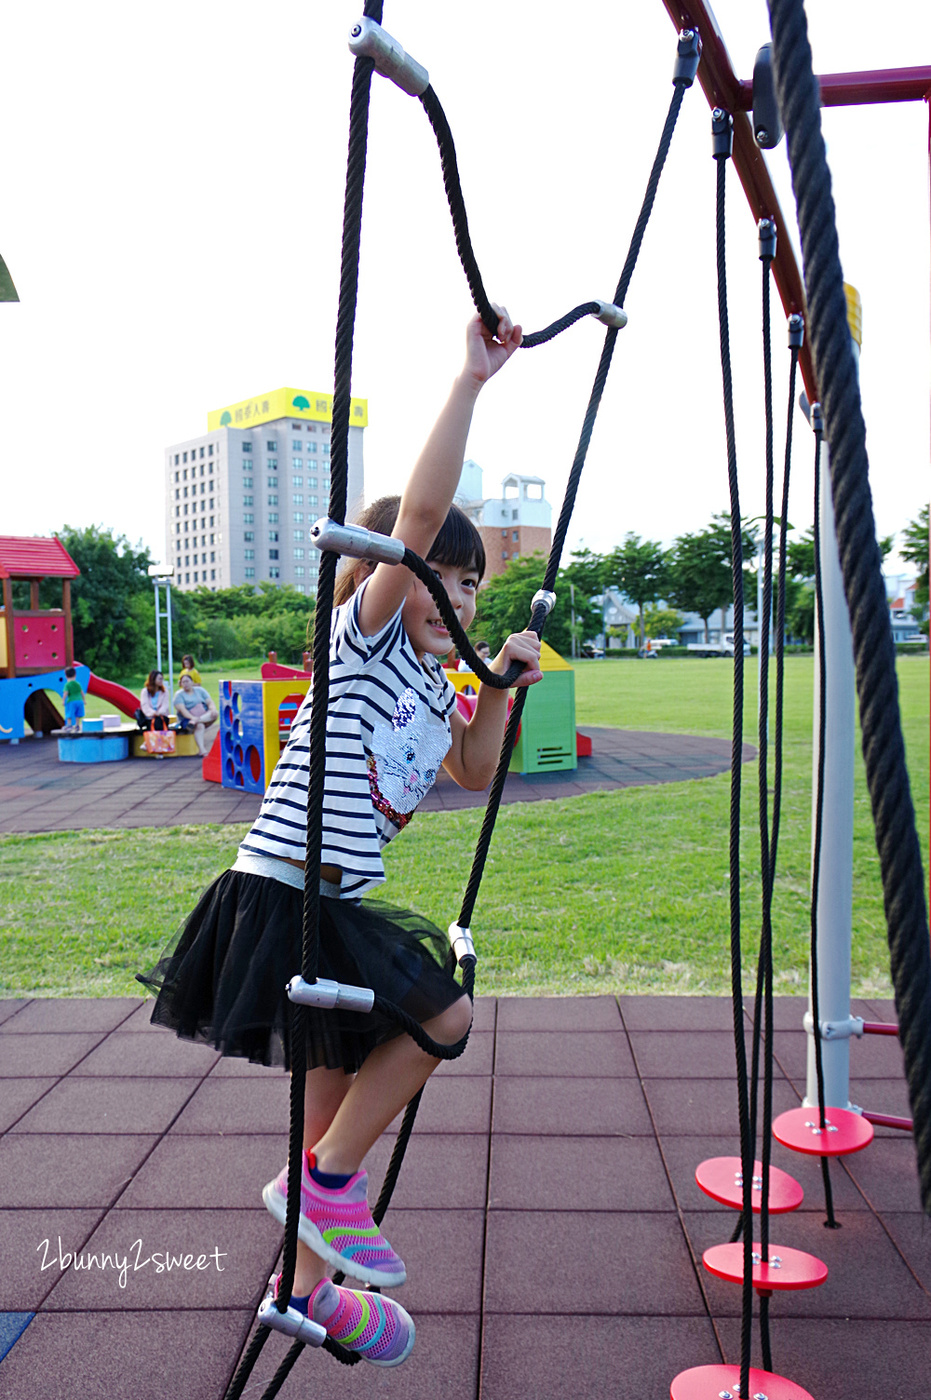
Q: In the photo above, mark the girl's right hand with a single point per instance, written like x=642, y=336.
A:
x=524, y=647
x=485, y=353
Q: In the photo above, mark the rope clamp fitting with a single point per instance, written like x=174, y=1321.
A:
x=367, y=39
x=610, y=315
x=356, y=542
x=688, y=57
x=766, y=229
x=460, y=940
x=835, y=1030
x=292, y=1323
x=796, y=328
x=543, y=598
x=722, y=133
x=767, y=123
x=817, y=418
x=326, y=995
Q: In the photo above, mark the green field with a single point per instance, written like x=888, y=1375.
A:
x=624, y=891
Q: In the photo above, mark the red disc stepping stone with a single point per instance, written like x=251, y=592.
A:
x=721, y=1178
x=723, y=1383
x=843, y=1131
x=787, y=1270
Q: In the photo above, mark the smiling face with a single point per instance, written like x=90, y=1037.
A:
x=421, y=616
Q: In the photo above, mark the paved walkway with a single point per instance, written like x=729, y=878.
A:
x=547, y=1212
x=38, y=793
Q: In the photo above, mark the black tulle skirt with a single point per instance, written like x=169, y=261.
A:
x=223, y=982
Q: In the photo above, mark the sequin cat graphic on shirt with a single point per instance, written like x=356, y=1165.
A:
x=404, y=758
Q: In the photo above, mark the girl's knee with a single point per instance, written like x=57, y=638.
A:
x=454, y=1022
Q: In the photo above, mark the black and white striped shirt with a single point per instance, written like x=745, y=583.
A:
x=387, y=734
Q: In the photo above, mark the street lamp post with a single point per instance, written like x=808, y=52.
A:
x=163, y=573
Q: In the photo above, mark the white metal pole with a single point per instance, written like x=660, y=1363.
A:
x=171, y=661
x=835, y=890
x=158, y=629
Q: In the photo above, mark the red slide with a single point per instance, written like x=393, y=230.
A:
x=115, y=694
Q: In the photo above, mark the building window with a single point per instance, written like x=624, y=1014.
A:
x=273, y=536
x=248, y=501
x=298, y=534
x=272, y=483
x=312, y=482
x=247, y=483
x=297, y=500
x=504, y=554
x=514, y=514
x=184, y=459
x=185, y=510
x=211, y=468
x=297, y=447
x=248, y=553
x=213, y=573
x=297, y=515
x=248, y=535
x=514, y=536
x=504, y=534
x=273, y=500
x=246, y=520
x=274, y=573
x=311, y=446
x=298, y=483
x=211, y=522
x=299, y=570
x=273, y=554
x=210, y=451
x=250, y=573
x=247, y=447
x=187, y=578
x=202, y=453
x=176, y=463
x=271, y=445
x=326, y=449
x=273, y=517
x=298, y=553
x=213, y=557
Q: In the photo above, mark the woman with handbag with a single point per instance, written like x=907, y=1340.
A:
x=154, y=703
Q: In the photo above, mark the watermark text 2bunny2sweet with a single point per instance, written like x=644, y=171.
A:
x=124, y=1263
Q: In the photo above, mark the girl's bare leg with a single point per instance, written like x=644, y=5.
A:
x=324, y=1091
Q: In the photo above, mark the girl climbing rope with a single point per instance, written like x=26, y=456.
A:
x=391, y=722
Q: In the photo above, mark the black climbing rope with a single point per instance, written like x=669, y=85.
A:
x=861, y=567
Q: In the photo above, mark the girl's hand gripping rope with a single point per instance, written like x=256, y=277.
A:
x=485, y=353
x=520, y=646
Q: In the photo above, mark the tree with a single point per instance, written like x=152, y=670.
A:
x=662, y=622
x=915, y=551
x=503, y=604
x=108, y=600
x=700, y=569
x=640, y=570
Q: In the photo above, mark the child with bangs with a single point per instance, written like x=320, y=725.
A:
x=392, y=721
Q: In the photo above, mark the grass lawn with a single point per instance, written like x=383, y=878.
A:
x=623, y=891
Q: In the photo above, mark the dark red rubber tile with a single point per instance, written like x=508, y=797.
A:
x=570, y=1107
x=454, y=1105
x=879, y=1010
x=887, y=1173
x=190, y=1173
x=683, y=1155
x=882, y=1096
x=171, y=1259
x=24, y=1055
x=873, y=1057
x=700, y=1055
x=564, y=1054
x=484, y=1013
x=536, y=1260
x=17, y=1096
x=9, y=1006
x=444, y=1363
x=139, y=1053
x=39, y=1170
x=697, y=1108
x=50, y=1014
x=29, y=1247
x=237, y=1105
x=866, y=1275
x=590, y=1358
x=99, y=1105
x=141, y=1020
x=440, y=1171
x=427, y=1240
x=478, y=1057
x=787, y=1012
x=109, y=1355
x=676, y=1013
x=602, y=1174
x=911, y=1234
x=849, y=1358
x=558, y=1014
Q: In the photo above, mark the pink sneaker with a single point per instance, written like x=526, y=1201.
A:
x=378, y=1328
x=338, y=1226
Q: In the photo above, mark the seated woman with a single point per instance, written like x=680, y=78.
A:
x=189, y=668
x=195, y=711
x=154, y=704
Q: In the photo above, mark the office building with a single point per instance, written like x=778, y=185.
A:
x=515, y=523
x=240, y=499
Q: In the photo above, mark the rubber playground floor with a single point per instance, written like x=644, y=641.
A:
x=38, y=793
x=546, y=1210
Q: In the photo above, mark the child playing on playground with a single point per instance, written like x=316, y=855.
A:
x=392, y=720
x=73, y=697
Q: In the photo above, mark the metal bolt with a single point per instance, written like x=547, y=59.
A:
x=832, y=1128
x=725, y=1395
x=762, y=134
x=687, y=35
x=718, y=114
x=760, y=1396
x=355, y=31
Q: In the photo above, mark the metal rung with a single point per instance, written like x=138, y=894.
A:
x=461, y=942
x=326, y=994
x=292, y=1323
x=610, y=315
x=367, y=39
x=356, y=542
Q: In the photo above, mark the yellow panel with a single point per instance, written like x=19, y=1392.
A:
x=2, y=638
x=273, y=692
x=551, y=660
x=285, y=403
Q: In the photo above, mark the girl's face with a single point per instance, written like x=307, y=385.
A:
x=159, y=680
x=421, y=616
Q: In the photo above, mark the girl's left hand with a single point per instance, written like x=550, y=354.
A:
x=486, y=353
x=520, y=646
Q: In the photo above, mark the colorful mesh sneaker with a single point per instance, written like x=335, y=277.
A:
x=378, y=1328
x=338, y=1226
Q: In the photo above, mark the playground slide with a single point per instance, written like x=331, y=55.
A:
x=115, y=694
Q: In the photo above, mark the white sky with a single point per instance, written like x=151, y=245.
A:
x=171, y=211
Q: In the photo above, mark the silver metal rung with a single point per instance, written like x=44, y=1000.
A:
x=326, y=994
x=610, y=315
x=461, y=942
x=356, y=542
x=292, y=1323
x=546, y=597
x=367, y=39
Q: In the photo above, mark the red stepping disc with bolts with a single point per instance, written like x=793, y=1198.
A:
x=786, y=1271
x=721, y=1178
x=723, y=1383
x=843, y=1132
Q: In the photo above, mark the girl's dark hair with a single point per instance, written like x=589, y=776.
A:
x=150, y=683
x=186, y=659
x=458, y=543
